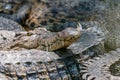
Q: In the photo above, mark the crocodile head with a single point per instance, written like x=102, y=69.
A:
x=63, y=39
x=56, y=40
x=69, y=35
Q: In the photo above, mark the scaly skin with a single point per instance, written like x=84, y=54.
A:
x=44, y=40
x=36, y=64
x=9, y=6
x=110, y=23
x=98, y=67
x=10, y=25
x=61, y=64
x=37, y=16
x=55, y=15
x=20, y=15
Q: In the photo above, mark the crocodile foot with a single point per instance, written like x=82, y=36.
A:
x=98, y=68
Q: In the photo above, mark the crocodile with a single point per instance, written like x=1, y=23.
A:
x=17, y=64
x=43, y=40
x=27, y=64
x=98, y=68
x=53, y=15
x=35, y=64
x=48, y=72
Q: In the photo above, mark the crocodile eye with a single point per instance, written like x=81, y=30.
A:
x=32, y=25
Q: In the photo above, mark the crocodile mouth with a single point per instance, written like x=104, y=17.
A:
x=115, y=68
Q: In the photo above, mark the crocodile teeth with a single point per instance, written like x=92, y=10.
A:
x=87, y=63
x=96, y=58
x=91, y=78
x=85, y=76
x=83, y=71
x=91, y=60
x=83, y=68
